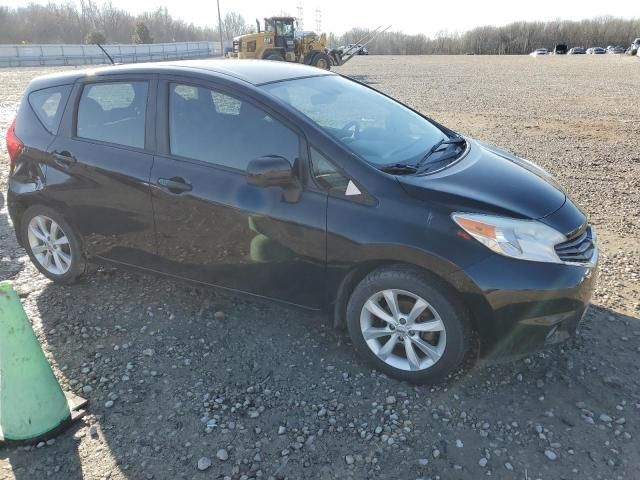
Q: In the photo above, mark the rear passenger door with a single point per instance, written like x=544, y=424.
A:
x=212, y=226
x=100, y=165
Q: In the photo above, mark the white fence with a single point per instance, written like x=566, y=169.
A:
x=36, y=55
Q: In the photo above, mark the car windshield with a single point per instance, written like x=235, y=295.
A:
x=373, y=126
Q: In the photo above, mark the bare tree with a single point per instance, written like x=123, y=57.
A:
x=233, y=25
x=72, y=22
x=142, y=34
x=515, y=38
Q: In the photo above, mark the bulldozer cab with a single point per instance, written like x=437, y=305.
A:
x=283, y=29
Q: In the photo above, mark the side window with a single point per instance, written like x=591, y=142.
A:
x=327, y=175
x=48, y=105
x=222, y=130
x=113, y=112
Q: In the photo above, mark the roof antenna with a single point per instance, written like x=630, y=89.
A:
x=105, y=52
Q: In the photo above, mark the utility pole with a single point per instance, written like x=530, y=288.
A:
x=220, y=28
x=300, y=10
x=318, y=21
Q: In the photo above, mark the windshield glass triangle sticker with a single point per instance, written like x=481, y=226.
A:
x=352, y=189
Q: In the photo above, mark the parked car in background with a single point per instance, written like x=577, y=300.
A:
x=577, y=51
x=363, y=50
x=353, y=47
x=616, y=49
x=560, y=49
x=288, y=182
x=596, y=51
x=540, y=51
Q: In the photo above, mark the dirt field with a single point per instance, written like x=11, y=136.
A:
x=267, y=392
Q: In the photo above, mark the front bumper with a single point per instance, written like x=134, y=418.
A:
x=520, y=307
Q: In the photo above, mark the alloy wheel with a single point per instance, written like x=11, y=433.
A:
x=403, y=330
x=50, y=245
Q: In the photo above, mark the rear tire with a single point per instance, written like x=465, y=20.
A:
x=321, y=60
x=275, y=57
x=52, y=244
x=423, y=338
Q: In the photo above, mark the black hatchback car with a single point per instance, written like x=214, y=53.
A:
x=295, y=184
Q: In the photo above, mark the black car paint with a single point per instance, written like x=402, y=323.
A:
x=104, y=190
x=310, y=252
x=493, y=182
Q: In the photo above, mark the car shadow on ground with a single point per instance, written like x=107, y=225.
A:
x=175, y=372
x=12, y=259
x=64, y=465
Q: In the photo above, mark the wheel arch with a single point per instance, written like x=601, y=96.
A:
x=474, y=304
x=22, y=204
x=308, y=58
x=273, y=51
x=76, y=262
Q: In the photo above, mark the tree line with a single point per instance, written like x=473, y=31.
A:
x=512, y=39
x=91, y=22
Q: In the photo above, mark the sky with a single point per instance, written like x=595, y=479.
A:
x=410, y=16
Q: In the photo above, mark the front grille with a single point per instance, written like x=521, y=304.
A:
x=578, y=249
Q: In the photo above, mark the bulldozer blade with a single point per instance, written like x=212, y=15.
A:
x=353, y=51
x=360, y=40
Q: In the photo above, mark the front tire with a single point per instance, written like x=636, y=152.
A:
x=407, y=325
x=52, y=244
x=321, y=60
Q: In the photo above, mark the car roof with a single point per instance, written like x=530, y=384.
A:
x=254, y=72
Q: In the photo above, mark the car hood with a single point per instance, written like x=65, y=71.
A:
x=489, y=180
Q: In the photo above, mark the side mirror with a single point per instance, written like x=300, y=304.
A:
x=274, y=171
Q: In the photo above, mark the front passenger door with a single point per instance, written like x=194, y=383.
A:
x=212, y=226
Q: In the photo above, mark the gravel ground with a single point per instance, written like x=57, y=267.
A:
x=184, y=382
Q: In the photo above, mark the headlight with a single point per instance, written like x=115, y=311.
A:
x=522, y=239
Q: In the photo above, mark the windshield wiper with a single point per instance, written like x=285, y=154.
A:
x=399, y=168
x=436, y=147
x=407, y=169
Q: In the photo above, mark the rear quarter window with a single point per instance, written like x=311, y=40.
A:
x=113, y=112
x=48, y=105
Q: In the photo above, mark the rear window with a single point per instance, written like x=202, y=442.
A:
x=48, y=105
x=113, y=112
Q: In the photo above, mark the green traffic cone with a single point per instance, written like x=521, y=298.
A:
x=32, y=403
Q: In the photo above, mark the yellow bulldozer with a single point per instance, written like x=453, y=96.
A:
x=279, y=40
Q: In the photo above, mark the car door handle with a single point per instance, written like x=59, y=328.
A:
x=175, y=184
x=64, y=158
